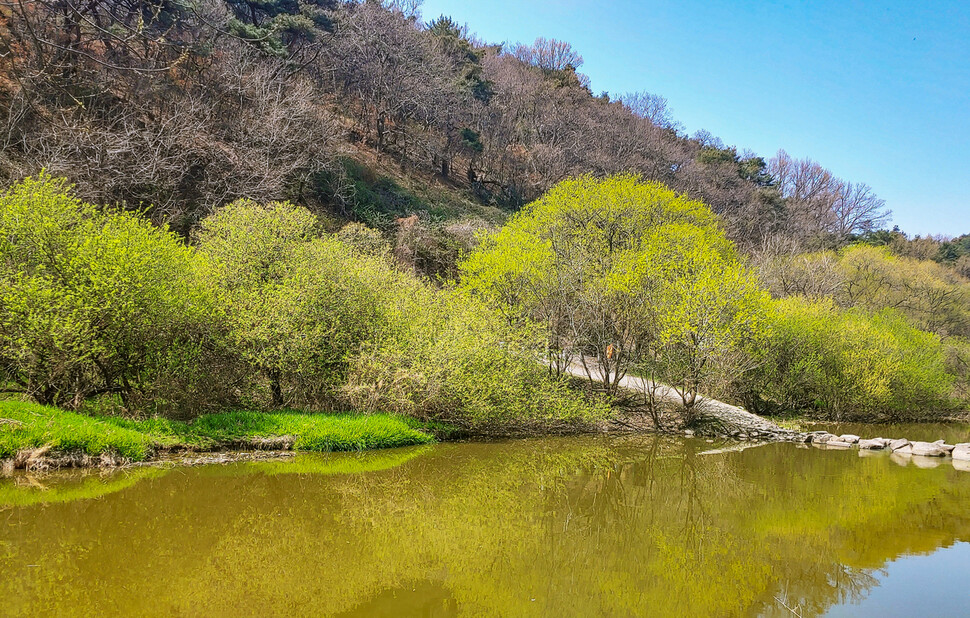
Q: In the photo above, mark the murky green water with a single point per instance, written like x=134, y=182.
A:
x=546, y=527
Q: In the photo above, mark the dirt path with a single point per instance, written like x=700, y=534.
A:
x=729, y=419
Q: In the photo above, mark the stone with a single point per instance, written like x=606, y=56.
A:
x=822, y=438
x=961, y=465
x=927, y=449
x=850, y=438
x=947, y=448
x=836, y=443
x=872, y=445
x=895, y=445
x=961, y=452
x=689, y=432
x=905, y=450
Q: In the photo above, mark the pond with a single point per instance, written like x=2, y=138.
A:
x=579, y=526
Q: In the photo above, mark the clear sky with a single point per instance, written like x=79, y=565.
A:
x=878, y=92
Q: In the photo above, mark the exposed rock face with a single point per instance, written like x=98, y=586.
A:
x=961, y=452
x=928, y=449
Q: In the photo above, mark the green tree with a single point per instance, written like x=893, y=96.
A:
x=95, y=301
x=299, y=304
x=622, y=274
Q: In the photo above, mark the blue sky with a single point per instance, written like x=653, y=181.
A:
x=878, y=92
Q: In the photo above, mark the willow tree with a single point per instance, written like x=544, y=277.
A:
x=623, y=274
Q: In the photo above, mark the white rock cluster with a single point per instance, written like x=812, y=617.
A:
x=903, y=450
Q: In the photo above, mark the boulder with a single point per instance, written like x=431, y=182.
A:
x=895, y=445
x=837, y=443
x=927, y=449
x=850, y=438
x=906, y=450
x=872, y=445
x=947, y=448
x=961, y=452
x=822, y=438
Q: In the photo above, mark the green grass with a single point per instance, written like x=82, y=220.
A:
x=38, y=425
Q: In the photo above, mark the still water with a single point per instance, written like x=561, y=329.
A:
x=590, y=526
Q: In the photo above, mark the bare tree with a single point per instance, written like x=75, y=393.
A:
x=652, y=107
x=821, y=205
x=548, y=54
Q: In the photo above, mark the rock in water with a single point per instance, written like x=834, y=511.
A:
x=822, y=438
x=895, y=445
x=906, y=449
x=928, y=449
x=837, y=443
x=961, y=452
x=850, y=438
x=873, y=445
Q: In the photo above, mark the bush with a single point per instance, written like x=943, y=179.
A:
x=449, y=357
x=850, y=363
x=97, y=302
x=299, y=304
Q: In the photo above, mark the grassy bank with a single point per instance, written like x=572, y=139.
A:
x=30, y=426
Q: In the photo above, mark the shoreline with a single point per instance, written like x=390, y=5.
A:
x=41, y=438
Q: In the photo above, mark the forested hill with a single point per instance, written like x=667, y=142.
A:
x=363, y=111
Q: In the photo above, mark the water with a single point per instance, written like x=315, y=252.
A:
x=590, y=526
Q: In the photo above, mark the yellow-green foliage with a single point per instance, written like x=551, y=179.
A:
x=629, y=264
x=95, y=301
x=852, y=363
x=447, y=355
x=932, y=296
x=323, y=320
x=299, y=304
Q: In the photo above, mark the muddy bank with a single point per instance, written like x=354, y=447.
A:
x=44, y=459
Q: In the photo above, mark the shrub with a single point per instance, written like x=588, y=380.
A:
x=97, y=302
x=449, y=357
x=299, y=304
x=850, y=363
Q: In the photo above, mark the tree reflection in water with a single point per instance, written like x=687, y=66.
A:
x=558, y=526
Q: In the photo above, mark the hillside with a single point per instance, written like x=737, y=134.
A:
x=181, y=107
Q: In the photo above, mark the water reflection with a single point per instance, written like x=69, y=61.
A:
x=564, y=526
